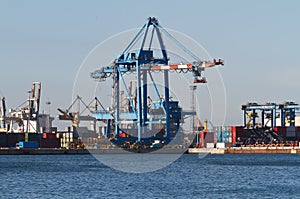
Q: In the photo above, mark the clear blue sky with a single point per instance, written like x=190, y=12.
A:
x=48, y=40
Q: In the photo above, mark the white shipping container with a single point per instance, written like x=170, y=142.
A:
x=220, y=145
x=210, y=145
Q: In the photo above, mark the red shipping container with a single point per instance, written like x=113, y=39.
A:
x=49, y=135
x=233, y=133
x=280, y=129
x=201, y=139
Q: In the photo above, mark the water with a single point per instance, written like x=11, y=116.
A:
x=215, y=176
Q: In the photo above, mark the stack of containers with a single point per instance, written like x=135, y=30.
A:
x=201, y=139
x=66, y=140
x=218, y=131
x=224, y=135
x=3, y=139
x=33, y=137
x=290, y=133
x=280, y=130
x=49, y=140
x=233, y=132
x=210, y=138
x=13, y=138
x=238, y=134
x=297, y=132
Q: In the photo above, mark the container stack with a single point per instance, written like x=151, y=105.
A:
x=34, y=137
x=210, y=139
x=49, y=140
x=13, y=138
x=297, y=129
x=280, y=130
x=3, y=139
x=238, y=134
x=290, y=133
x=224, y=134
x=66, y=140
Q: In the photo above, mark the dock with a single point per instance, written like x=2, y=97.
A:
x=246, y=150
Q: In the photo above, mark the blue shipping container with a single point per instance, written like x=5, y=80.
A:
x=226, y=140
x=227, y=134
x=28, y=145
x=219, y=137
x=224, y=136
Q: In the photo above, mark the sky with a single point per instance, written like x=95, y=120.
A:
x=48, y=41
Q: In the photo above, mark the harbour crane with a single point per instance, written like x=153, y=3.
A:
x=77, y=116
x=142, y=117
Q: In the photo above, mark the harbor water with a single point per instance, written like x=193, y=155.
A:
x=191, y=176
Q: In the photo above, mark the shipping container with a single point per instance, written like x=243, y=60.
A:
x=280, y=129
x=239, y=131
x=28, y=145
x=33, y=137
x=225, y=139
x=290, y=132
x=226, y=128
x=233, y=132
x=59, y=135
x=219, y=136
x=49, y=135
x=50, y=143
x=224, y=136
x=13, y=138
x=210, y=137
x=220, y=145
x=210, y=145
x=201, y=139
x=227, y=134
x=3, y=139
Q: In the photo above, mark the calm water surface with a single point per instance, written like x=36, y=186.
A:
x=214, y=176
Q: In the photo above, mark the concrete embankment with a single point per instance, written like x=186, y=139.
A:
x=58, y=151
x=246, y=150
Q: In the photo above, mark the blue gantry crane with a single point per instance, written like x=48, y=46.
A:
x=260, y=120
x=144, y=120
x=288, y=112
